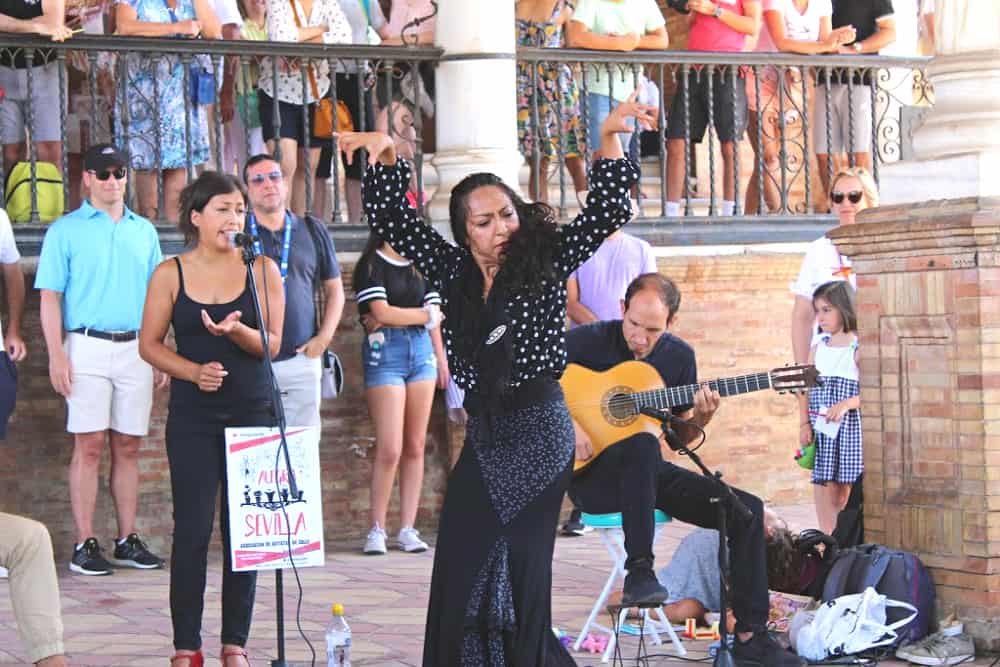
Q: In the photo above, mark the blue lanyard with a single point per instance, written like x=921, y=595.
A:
x=173, y=16
x=286, y=244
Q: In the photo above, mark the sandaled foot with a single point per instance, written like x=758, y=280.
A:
x=235, y=657
x=188, y=659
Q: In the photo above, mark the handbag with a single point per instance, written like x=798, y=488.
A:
x=850, y=624
x=202, y=84
x=324, y=119
x=331, y=377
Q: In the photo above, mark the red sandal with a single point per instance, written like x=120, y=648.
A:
x=195, y=659
x=232, y=653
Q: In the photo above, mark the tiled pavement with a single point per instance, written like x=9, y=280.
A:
x=125, y=619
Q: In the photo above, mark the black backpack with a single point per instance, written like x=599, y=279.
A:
x=899, y=575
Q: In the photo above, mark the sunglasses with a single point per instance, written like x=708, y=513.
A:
x=258, y=179
x=118, y=173
x=854, y=196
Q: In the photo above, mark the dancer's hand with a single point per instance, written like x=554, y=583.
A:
x=584, y=447
x=379, y=145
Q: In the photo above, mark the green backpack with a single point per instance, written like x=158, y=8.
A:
x=49, y=185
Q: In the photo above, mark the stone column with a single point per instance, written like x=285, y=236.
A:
x=477, y=96
x=958, y=143
x=929, y=323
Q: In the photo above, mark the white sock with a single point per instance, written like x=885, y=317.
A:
x=673, y=209
x=727, y=207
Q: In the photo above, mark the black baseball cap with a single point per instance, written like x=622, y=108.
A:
x=103, y=156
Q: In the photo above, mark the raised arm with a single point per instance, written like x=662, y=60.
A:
x=611, y=176
x=390, y=216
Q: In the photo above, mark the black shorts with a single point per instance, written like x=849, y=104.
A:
x=729, y=105
x=347, y=90
x=292, y=124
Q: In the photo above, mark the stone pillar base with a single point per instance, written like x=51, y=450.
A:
x=929, y=325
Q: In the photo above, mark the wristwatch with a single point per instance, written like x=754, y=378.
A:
x=718, y=12
x=858, y=47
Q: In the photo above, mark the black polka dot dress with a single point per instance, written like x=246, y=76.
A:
x=490, y=600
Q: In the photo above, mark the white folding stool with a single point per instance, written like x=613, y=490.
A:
x=609, y=527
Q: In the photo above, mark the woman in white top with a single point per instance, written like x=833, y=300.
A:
x=313, y=21
x=794, y=26
x=853, y=191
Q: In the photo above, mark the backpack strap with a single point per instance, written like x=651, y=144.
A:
x=880, y=563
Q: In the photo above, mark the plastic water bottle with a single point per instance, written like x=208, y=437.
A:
x=338, y=639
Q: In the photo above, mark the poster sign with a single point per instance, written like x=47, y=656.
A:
x=263, y=512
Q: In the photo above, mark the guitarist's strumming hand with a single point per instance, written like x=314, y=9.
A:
x=584, y=447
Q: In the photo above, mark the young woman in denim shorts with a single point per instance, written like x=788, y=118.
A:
x=402, y=358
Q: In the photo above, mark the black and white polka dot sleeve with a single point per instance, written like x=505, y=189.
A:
x=608, y=208
x=390, y=216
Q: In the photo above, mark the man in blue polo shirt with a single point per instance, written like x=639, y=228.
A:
x=304, y=252
x=93, y=270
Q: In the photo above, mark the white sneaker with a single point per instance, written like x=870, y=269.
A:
x=409, y=541
x=938, y=649
x=375, y=543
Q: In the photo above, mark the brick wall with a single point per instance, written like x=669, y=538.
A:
x=733, y=331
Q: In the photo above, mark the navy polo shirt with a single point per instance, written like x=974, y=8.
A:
x=309, y=265
x=601, y=345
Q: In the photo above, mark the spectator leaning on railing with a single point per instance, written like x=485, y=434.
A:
x=792, y=26
x=246, y=115
x=46, y=18
x=613, y=25
x=850, y=111
x=714, y=26
x=307, y=22
x=155, y=90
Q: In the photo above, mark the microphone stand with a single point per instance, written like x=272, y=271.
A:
x=723, y=501
x=278, y=411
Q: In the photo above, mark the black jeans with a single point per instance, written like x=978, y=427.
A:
x=196, y=454
x=631, y=477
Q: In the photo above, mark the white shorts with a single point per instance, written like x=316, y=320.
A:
x=298, y=380
x=850, y=119
x=44, y=101
x=112, y=386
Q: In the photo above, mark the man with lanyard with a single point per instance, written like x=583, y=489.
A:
x=93, y=270
x=631, y=476
x=305, y=255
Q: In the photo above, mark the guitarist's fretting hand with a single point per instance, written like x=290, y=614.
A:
x=706, y=402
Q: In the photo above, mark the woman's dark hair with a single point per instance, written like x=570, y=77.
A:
x=529, y=258
x=784, y=561
x=840, y=295
x=199, y=192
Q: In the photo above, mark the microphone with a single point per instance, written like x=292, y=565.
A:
x=240, y=239
x=665, y=417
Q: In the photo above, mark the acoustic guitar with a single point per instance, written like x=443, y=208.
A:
x=607, y=404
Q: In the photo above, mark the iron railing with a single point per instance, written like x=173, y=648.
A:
x=111, y=63
x=893, y=86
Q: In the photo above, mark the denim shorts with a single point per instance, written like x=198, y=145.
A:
x=398, y=355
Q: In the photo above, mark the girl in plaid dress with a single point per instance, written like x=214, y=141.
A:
x=839, y=459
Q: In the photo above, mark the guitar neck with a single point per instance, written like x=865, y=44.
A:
x=671, y=397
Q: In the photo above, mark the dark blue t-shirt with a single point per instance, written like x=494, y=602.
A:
x=308, y=268
x=601, y=345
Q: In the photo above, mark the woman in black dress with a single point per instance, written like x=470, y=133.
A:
x=504, y=298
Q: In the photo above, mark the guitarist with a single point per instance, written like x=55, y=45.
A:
x=631, y=476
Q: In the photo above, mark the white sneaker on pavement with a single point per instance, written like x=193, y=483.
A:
x=939, y=649
x=375, y=542
x=409, y=541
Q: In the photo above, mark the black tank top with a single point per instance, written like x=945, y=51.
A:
x=245, y=389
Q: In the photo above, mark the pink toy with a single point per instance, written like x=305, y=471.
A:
x=594, y=644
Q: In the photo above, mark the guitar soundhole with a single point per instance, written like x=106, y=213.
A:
x=618, y=407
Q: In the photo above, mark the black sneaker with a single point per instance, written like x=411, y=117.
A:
x=763, y=651
x=133, y=553
x=643, y=588
x=88, y=559
x=574, y=526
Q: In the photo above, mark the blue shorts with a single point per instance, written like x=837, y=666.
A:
x=398, y=355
